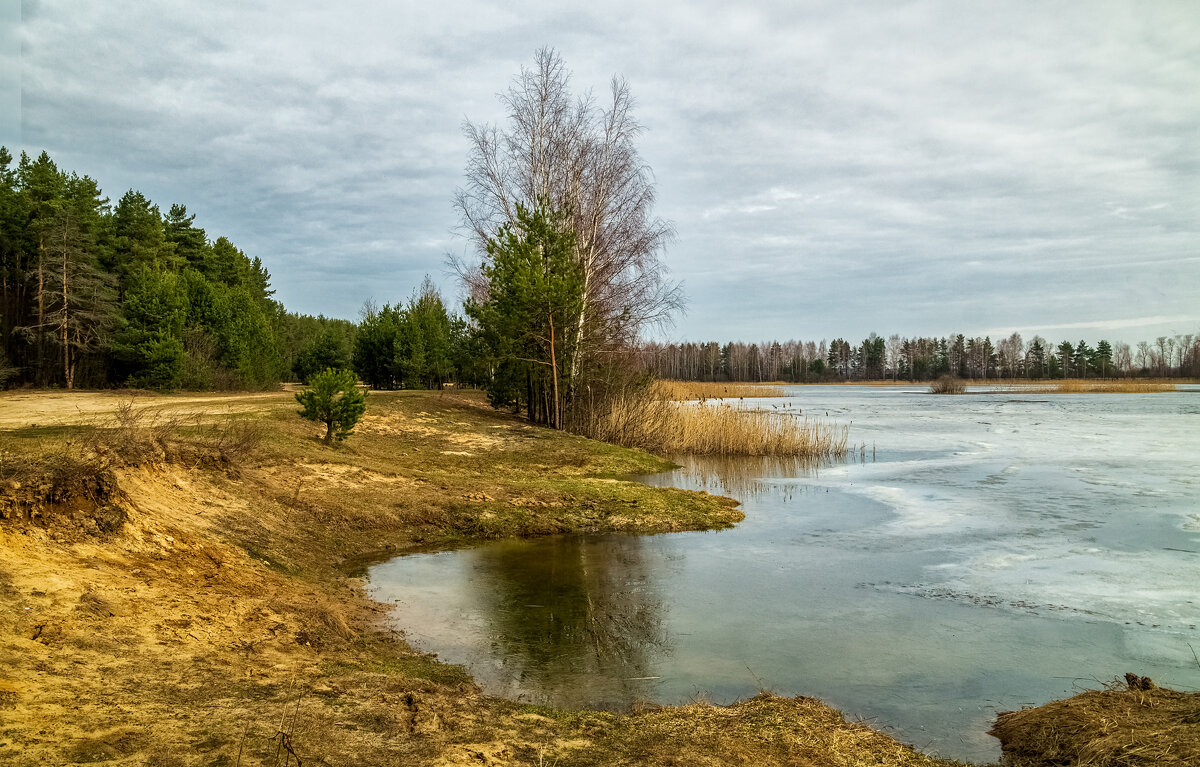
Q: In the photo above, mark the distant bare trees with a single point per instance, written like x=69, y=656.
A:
x=922, y=359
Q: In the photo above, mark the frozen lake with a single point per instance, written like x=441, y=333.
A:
x=999, y=550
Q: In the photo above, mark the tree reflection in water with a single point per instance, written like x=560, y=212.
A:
x=574, y=621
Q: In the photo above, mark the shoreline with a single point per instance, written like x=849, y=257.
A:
x=214, y=621
x=187, y=606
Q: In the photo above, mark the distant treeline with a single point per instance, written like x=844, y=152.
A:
x=922, y=359
x=97, y=295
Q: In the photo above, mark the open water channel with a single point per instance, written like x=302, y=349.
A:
x=987, y=551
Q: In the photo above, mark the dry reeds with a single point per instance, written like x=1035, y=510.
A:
x=673, y=428
x=682, y=391
x=1079, y=386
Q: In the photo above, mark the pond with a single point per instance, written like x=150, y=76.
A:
x=981, y=553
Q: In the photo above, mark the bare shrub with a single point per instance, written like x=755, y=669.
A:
x=132, y=436
x=235, y=439
x=948, y=385
x=135, y=436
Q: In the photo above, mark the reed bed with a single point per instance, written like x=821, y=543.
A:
x=675, y=428
x=682, y=391
x=1078, y=386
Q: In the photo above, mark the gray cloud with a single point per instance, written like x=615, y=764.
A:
x=831, y=168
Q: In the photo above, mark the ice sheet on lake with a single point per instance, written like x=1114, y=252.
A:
x=1080, y=504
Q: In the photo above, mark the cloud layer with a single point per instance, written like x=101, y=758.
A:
x=831, y=168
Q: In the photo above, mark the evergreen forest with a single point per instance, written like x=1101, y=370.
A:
x=95, y=294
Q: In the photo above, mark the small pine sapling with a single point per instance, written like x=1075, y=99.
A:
x=334, y=399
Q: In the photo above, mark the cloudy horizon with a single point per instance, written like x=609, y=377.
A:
x=831, y=169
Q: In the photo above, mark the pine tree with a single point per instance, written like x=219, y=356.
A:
x=335, y=400
x=188, y=241
x=1066, y=359
x=82, y=297
x=1082, y=359
x=535, y=294
x=41, y=186
x=1102, y=358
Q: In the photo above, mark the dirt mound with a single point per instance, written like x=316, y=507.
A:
x=83, y=503
x=1130, y=724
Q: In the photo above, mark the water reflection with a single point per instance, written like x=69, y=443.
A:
x=739, y=476
x=571, y=620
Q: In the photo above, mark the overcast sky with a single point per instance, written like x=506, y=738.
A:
x=832, y=168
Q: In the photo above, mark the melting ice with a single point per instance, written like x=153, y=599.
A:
x=1000, y=550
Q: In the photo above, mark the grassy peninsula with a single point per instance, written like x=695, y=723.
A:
x=177, y=584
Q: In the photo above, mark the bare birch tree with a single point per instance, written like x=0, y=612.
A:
x=894, y=345
x=578, y=158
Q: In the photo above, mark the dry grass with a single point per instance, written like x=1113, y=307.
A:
x=192, y=604
x=1130, y=724
x=672, y=428
x=762, y=730
x=682, y=391
x=1080, y=386
x=220, y=611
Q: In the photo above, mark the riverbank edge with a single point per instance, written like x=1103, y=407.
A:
x=192, y=608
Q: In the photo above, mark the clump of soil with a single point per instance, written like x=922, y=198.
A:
x=1130, y=724
x=72, y=502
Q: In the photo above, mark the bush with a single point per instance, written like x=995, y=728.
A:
x=335, y=400
x=948, y=385
x=6, y=371
x=132, y=436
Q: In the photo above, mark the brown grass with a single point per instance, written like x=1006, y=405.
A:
x=796, y=731
x=673, y=428
x=1130, y=724
x=682, y=391
x=1081, y=386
